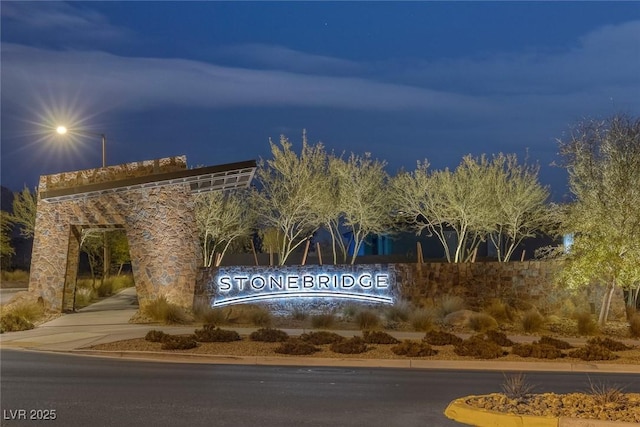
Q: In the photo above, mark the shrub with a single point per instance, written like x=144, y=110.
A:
x=441, y=338
x=208, y=315
x=105, y=288
x=324, y=320
x=260, y=317
x=537, y=350
x=321, y=337
x=269, y=335
x=176, y=342
x=413, y=349
x=28, y=310
x=299, y=314
x=121, y=282
x=18, y=276
x=156, y=336
x=499, y=338
x=559, y=344
x=367, y=319
x=162, y=310
x=607, y=395
x=499, y=311
x=532, y=321
x=379, y=337
x=296, y=347
x=209, y=333
x=450, y=304
x=634, y=325
x=479, y=348
x=516, y=386
x=355, y=345
x=422, y=320
x=399, y=312
x=84, y=297
x=481, y=322
x=593, y=352
x=609, y=344
x=10, y=322
x=586, y=324
x=349, y=311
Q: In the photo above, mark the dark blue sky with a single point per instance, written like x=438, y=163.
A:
x=215, y=80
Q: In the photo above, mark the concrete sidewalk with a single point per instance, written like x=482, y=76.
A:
x=108, y=321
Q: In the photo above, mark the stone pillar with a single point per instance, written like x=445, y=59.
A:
x=71, y=273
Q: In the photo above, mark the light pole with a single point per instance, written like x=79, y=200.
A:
x=63, y=130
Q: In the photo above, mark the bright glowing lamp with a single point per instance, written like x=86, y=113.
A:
x=61, y=130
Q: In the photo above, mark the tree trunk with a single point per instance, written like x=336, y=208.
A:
x=606, y=304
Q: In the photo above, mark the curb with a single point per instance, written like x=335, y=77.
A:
x=459, y=411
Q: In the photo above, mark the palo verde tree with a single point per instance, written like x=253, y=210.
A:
x=288, y=193
x=363, y=197
x=222, y=218
x=603, y=161
x=6, y=250
x=25, y=207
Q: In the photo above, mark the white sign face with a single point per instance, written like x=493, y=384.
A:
x=241, y=285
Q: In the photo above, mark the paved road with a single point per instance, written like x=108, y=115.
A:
x=105, y=392
x=7, y=293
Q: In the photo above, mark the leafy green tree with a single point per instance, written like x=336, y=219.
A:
x=6, y=250
x=119, y=249
x=289, y=193
x=25, y=207
x=603, y=161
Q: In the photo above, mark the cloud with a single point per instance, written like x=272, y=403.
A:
x=142, y=83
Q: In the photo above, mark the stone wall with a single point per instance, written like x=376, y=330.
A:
x=159, y=223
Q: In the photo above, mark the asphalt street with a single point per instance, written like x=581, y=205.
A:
x=89, y=391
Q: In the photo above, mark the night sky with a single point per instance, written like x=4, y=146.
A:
x=216, y=80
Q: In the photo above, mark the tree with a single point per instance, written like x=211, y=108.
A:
x=603, y=161
x=363, y=197
x=119, y=249
x=6, y=250
x=289, y=193
x=25, y=207
x=222, y=218
x=92, y=244
x=329, y=206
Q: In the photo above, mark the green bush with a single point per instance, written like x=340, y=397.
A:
x=324, y=320
x=559, y=344
x=11, y=322
x=398, y=312
x=177, y=342
x=593, y=352
x=608, y=343
x=30, y=311
x=499, y=311
x=634, y=325
x=156, y=336
x=163, y=311
x=479, y=348
x=537, y=350
x=17, y=276
x=378, y=337
x=413, y=349
x=586, y=324
x=84, y=297
x=532, y=321
x=269, y=335
x=481, y=322
x=355, y=345
x=499, y=338
x=367, y=319
x=441, y=338
x=296, y=347
x=105, y=288
x=422, y=320
x=321, y=337
x=210, y=333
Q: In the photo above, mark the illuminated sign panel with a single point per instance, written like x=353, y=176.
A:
x=367, y=283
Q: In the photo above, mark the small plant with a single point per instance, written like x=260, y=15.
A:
x=378, y=337
x=156, y=336
x=177, y=342
x=105, y=288
x=367, y=319
x=411, y=348
x=450, y=304
x=269, y=335
x=593, y=352
x=296, y=347
x=30, y=311
x=355, y=345
x=84, y=297
x=12, y=323
x=163, y=311
x=321, y=337
x=441, y=338
x=298, y=314
x=499, y=338
x=399, y=312
x=606, y=394
x=586, y=324
x=516, y=386
x=634, y=325
x=481, y=322
x=209, y=333
x=324, y=320
x=559, y=344
x=608, y=343
x=208, y=315
x=539, y=351
x=349, y=310
x=260, y=317
x=532, y=321
x=499, y=311
x=422, y=320
x=17, y=276
x=479, y=348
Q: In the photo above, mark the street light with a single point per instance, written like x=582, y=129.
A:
x=63, y=130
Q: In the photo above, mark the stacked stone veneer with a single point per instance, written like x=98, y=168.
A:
x=159, y=223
